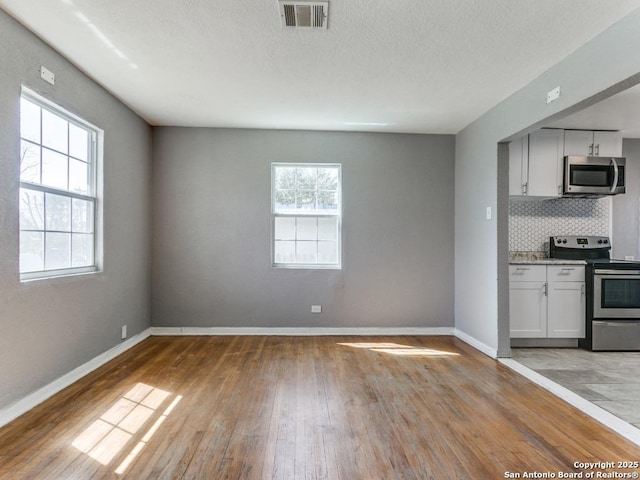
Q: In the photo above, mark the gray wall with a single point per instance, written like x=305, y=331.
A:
x=211, y=231
x=626, y=208
x=50, y=327
x=606, y=65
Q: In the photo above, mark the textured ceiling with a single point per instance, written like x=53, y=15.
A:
x=425, y=66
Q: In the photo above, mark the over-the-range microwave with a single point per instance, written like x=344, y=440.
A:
x=593, y=176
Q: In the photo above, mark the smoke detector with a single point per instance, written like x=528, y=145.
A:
x=303, y=14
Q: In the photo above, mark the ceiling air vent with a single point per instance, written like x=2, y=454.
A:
x=302, y=14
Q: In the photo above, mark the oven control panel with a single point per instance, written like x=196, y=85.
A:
x=580, y=242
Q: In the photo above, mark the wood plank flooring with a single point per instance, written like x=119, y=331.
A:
x=303, y=408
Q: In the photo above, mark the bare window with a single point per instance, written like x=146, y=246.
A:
x=306, y=215
x=57, y=191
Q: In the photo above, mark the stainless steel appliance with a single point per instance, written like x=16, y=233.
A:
x=616, y=292
x=612, y=293
x=593, y=176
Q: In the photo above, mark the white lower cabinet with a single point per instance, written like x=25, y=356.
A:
x=546, y=301
x=565, y=310
x=528, y=309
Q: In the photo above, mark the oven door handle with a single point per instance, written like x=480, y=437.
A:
x=616, y=323
x=615, y=175
x=621, y=273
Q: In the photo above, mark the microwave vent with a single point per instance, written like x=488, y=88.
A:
x=302, y=14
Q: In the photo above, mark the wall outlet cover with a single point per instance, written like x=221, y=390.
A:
x=553, y=94
x=316, y=308
x=47, y=75
x=123, y=332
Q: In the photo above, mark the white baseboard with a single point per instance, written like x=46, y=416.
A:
x=599, y=414
x=477, y=344
x=365, y=331
x=25, y=404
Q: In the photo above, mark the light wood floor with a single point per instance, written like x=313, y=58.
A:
x=303, y=408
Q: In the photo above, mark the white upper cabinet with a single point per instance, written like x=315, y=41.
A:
x=545, y=163
x=536, y=160
x=578, y=142
x=592, y=143
x=607, y=144
x=518, y=166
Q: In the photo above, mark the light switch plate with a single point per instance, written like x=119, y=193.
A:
x=488, y=213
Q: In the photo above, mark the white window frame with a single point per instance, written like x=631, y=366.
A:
x=93, y=163
x=315, y=214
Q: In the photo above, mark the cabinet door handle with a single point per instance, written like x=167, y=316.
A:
x=582, y=290
x=597, y=150
x=591, y=149
x=518, y=269
x=545, y=290
x=567, y=269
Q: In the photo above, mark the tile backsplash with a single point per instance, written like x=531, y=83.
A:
x=531, y=223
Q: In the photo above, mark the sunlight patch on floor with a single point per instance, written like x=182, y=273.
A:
x=142, y=443
x=400, y=350
x=107, y=436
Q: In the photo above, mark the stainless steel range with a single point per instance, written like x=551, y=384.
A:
x=612, y=293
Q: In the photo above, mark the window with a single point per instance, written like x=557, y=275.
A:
x=306, y=215
x=57, y=191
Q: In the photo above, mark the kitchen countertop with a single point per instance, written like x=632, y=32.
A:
x=539, y=258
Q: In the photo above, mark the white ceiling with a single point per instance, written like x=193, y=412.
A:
x=424, y=66
x=619, y=112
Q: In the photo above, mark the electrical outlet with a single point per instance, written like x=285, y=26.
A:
x=488, y=213
x=316, y=308
x=553, y=94
x=123, y=334
x=629, y=257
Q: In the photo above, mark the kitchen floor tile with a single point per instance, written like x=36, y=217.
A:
x=627, y=410
x=576, y=376
x=618, y=391
x=602, y=378
x=585, y=392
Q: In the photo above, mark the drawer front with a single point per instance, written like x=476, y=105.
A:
x=565, y=273
x=623, y=335
x=527, y=273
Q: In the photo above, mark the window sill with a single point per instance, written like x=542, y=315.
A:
x=55, y=275
x=305, y=266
